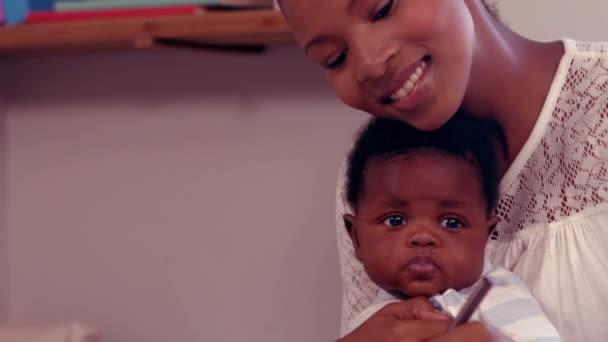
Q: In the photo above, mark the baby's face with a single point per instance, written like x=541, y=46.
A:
x=422, y=225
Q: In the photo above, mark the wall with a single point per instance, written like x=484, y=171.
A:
x=551, y=19
x=176, y=196
x=4, y=262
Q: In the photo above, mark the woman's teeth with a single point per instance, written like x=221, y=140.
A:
x=409, y=84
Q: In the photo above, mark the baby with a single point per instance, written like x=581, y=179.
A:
x=422, y=204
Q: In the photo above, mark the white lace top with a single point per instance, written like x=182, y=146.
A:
x=553, y=205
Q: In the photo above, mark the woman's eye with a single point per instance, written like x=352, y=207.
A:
x=394, y=221
x=337, y=61
x=451, y=223
x=384, y=11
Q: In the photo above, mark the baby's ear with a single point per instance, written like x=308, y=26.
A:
x=350, y=223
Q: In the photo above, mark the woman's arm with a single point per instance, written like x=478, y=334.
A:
x=474, y=331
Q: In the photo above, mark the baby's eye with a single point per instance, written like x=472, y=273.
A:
x=394, y=221
x=337, y=61
x=451, y=223
x=384, y=11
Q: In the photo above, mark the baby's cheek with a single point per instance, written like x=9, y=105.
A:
x=379, y=265
x=473, y=269
x=381, y=276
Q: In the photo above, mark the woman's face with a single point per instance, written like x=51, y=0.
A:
x=402, y=59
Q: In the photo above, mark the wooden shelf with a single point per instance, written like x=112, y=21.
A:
x=223, y=28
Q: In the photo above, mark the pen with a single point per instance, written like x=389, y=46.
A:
x=472, y=303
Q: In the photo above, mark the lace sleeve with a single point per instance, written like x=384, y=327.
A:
x=358, y=290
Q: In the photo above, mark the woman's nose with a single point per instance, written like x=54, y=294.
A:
x=370, y=68
x=372, y=57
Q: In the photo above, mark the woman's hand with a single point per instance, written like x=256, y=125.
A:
x=415, y=320
x=411, y=320
x=474, y=331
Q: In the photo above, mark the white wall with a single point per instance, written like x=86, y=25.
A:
x=550, y=19
x=176, y=196
x=182, y=196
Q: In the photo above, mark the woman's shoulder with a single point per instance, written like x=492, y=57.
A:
x=581, y=77
x=576, y=47
x=586, y=61
x=583, y=93
x=560, y=170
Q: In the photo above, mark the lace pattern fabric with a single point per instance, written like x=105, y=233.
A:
x=567, y=171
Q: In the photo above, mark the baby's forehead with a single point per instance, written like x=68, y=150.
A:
x=422, y=157
x=429, y=154
x=428, y=176
x=412, y=169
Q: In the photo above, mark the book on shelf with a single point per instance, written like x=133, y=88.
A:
x=70, y=5
x=1, y=12
x=62, y=16
x=15, y=11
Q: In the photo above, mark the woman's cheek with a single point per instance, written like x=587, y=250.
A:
x=347, y=91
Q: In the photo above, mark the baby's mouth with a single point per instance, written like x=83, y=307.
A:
x=421, y=266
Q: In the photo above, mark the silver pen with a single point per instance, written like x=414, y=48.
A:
x=472, y=303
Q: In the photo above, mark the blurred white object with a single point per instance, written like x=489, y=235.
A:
x=49, y=332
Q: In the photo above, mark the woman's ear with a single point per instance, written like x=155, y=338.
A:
x=350, y=223
x=491, y=223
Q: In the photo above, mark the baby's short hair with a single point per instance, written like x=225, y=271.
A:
x=464, y=137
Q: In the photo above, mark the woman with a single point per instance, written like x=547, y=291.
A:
x=419, y=61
